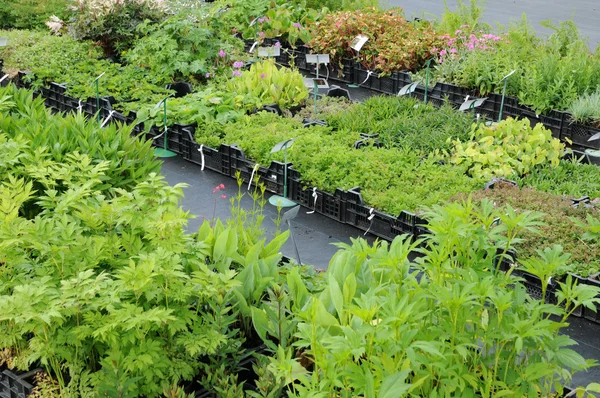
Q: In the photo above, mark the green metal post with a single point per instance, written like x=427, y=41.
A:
x=502, y=102
x=428, y=63
x=165, y=121
x=98, y=99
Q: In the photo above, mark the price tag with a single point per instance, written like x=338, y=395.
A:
x=358, y=42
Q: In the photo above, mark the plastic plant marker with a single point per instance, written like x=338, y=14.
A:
x=358, y=42
x=428, y=63
x=471, y=104
x=3, y=41
x=164, y=152
x=505, y=78
x=287, y=217
x=317, y=59
x=408, y=89
x=269, y=51
x=3, y=78
x=276, y=200
x=592, y=138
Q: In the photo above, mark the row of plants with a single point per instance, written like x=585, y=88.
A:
x=554, y=73
x=104, y=289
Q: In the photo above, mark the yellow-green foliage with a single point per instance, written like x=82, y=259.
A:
x=508, y=148
x=265, y=84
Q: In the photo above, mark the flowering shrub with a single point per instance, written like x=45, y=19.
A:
x=394, y=44
x=112, y=23
x=454, y=46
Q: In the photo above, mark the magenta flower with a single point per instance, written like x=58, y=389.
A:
x=222, y=54
x=452, y=50
x=263, y=19
x=236, y=73
x=443, y=52
x=261, y=34
x=238, y=64
x=262, y=75
x=207, y=75
x=297, y=25
x=277, y=44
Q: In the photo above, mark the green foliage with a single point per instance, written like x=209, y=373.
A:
x=571, y=178
x=326, y=159
x=42, y=147
x=266, y=84
x=562, y=226
x=30, y=14
x=400, y=123
x=378, y=329
x=508, y=148
x=210, y=108
x=184, y=46
x=464, y=16
x=112, y=23
x=586, y=109
x=326, y=106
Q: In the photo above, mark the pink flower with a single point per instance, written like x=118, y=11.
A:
x=277, y=44
x=443, y=52
x=236, y=73
x=261, y=34
x=218, y=188
x=263, y=19
x=223, y=196
x=207, y=75
x=458, y=31
x=297, y=25
x=238, y=64
x=222, y=54
x=262, y=75
x=470, y=46
x=452, y=50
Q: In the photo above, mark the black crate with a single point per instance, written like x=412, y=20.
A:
x=372, y=80
x=16, y=386
x=529, y=114
x=272, y=177
x=579, y=135
x=578, y=312
x=455, y=95
x=213, y=159
x=555, y=121
x=405, y=223
x=90, y=107
x=332, y=206
x=357, y=214
x=588, y=314
x=433, y=95
x=341, y=72
x=533, y=286
x=299, y=60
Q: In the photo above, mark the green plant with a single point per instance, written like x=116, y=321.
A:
x=562, y=225
x=184, y=46
x=379, y=330
x=266, y=84
x=30, y=14
x=508, y=148
x=112, y=24
x=571, y=178
x=586, y=109
x=464, y=16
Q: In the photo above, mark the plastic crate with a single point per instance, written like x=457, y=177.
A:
x=16, y=386
x=332, y=206
x=357, y=214
x=580, y=135
x=588, y=314
x=555, y=121
x=455, y=95
x=530, y=114
x=272, y=177
x=372, y=81
x=212, y=159
x=340, y=72
x=90, y=107
x=533, y=286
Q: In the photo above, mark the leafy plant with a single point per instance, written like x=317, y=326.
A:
x=30, y=14
x=394, y=44
x=508, y=148
x=586, y=109
x=266, y=84
x=561, y=226
x=112, y=23
x=184, y=46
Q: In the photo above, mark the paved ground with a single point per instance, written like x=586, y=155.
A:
x=585, y=13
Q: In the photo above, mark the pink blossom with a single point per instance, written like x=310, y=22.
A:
x=238, y=64
x=277, y=44
x=236, y=73
x=222, y=54
x=458, y=31
x=223, y=196
x=262, y=75
x=297, y=25
x=452, y=50
x=443, y=52
x=207, y=75
x=470, y=46
x=261, y=34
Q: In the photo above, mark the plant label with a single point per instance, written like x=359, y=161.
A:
x=408, y=89
x=3, y=41
x=321, y=83
x=269, y=51
x=471, y=103
x=317, y=58
x=253, y=22
x=358, y=42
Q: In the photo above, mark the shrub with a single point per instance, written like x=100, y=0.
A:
x=30, y=14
